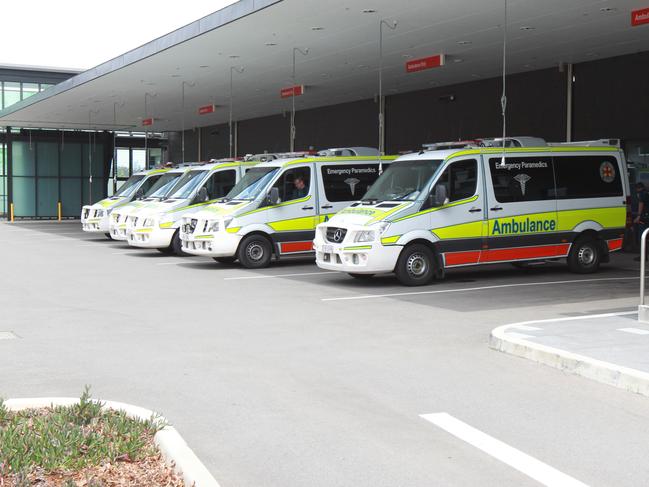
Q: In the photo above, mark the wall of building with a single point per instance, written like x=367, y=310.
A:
x=610, y=99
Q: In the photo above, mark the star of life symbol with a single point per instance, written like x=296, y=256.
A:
x=352, y=182
x=522, y=179
x=607, y=172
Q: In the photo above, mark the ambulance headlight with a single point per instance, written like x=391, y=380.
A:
x=371, y=235
x=213, y=226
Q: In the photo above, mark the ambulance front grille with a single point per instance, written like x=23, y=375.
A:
x=335, y=234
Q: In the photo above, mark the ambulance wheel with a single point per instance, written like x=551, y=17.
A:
x=362, y=277
x=177, y=245
x=225, y=260
x=255, y=252
x=108, y=236
x=585, y=256
x=166, y=251
x=416, y=265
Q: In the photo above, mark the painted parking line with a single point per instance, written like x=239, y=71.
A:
x=169, y=263
x=635, y=331
x=7, y=335
x=524, y=463
x=280, y=275
x=480, y=288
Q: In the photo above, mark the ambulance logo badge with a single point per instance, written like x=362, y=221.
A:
x=352, y=182
x=522, y=179
x=607, y=172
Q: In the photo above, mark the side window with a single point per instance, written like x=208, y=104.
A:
x=220, y=183
x=522, y=179
x=294, y=183
x=348, y=182
x=587, y=176
x=460, y=180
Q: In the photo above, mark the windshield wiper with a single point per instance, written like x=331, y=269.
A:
x=370, y=202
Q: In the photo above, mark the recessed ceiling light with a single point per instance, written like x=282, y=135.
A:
x=458, y=60
x=591, y=54
x=527, y=27
x=233, y=56
x=175, y=76
x=203, y=66
x=407, y=56
x=325, y=75
x=269, y=44
x=317, y=28
x=475, y=76
x=465, y=43
x=368, y=11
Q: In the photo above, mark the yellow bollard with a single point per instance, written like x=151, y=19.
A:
x=58, y=209
x=11, y=212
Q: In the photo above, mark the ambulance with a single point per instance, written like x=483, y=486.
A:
x=95, y=218
x=158, y=192
x=156, y=226
x=274, y=209
x=436, y=210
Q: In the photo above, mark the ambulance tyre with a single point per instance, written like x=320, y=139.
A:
x=225, y=260
x=255, y=252
x=108, y=236
x=416, y=265
x=166, y=250
x=585, y=255
x=177, y=245
x=362, y=277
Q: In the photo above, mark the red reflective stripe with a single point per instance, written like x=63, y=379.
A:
x=615, y=244
x=460, y=258
x=297, y=246
x=521, y=253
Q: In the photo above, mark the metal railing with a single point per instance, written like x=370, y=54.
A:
x=643, y=263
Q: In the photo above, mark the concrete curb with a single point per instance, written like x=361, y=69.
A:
x=171, y=444
x=631, y=380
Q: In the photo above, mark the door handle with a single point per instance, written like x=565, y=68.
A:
x=326, y=207
x=307, y=208
x=496, y=208
x=475, y=210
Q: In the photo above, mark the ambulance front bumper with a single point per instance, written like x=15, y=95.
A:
x=117, y=231
x=216, y=244
x=149, y=237
x=95, y=224
x=355, y=258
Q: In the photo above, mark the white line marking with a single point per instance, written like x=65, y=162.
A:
x=527, y=328
x=522, y=336
x=524, y=463
x=635, y=331
x=281, y=275
x=481, y=288
x=169, y=263
x=7, y=335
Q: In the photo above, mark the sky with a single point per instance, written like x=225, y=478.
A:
x=82, y=34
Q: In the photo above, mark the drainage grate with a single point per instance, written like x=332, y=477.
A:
x=7, y=335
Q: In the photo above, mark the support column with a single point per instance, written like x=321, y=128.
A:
x=569, y=88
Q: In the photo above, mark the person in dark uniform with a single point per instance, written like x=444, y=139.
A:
x=300, y=189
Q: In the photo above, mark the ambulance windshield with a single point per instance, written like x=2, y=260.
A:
x=403, y=181
x=186, y=185
x=163, y=185
x=252, y=184
x=129, y=187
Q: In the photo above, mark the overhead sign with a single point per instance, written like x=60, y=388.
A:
x=639, y=17
x=147, y=121
x=292, y=91
x=421, y=64
x=204, y=110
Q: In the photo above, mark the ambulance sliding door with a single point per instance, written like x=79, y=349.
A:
x=521, y=209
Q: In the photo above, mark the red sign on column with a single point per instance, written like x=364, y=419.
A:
x=147, y=121
x=639, y=17
x=421, y=64
x=292, y=91
x=204, y=110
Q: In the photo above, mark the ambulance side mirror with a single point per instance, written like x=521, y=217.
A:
x=273, y=196
x=202, y=195
x=439, y=197
x=139, y=193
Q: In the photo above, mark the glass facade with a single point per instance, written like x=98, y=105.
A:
x=3, y=179
x=13, y=91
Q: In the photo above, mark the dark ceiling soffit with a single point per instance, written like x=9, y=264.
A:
x=226, y=15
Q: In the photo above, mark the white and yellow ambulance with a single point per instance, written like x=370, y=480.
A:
x=275, y=208
x=158, y=192
x=436, y=210
x=95, y=218
x=156, y=226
